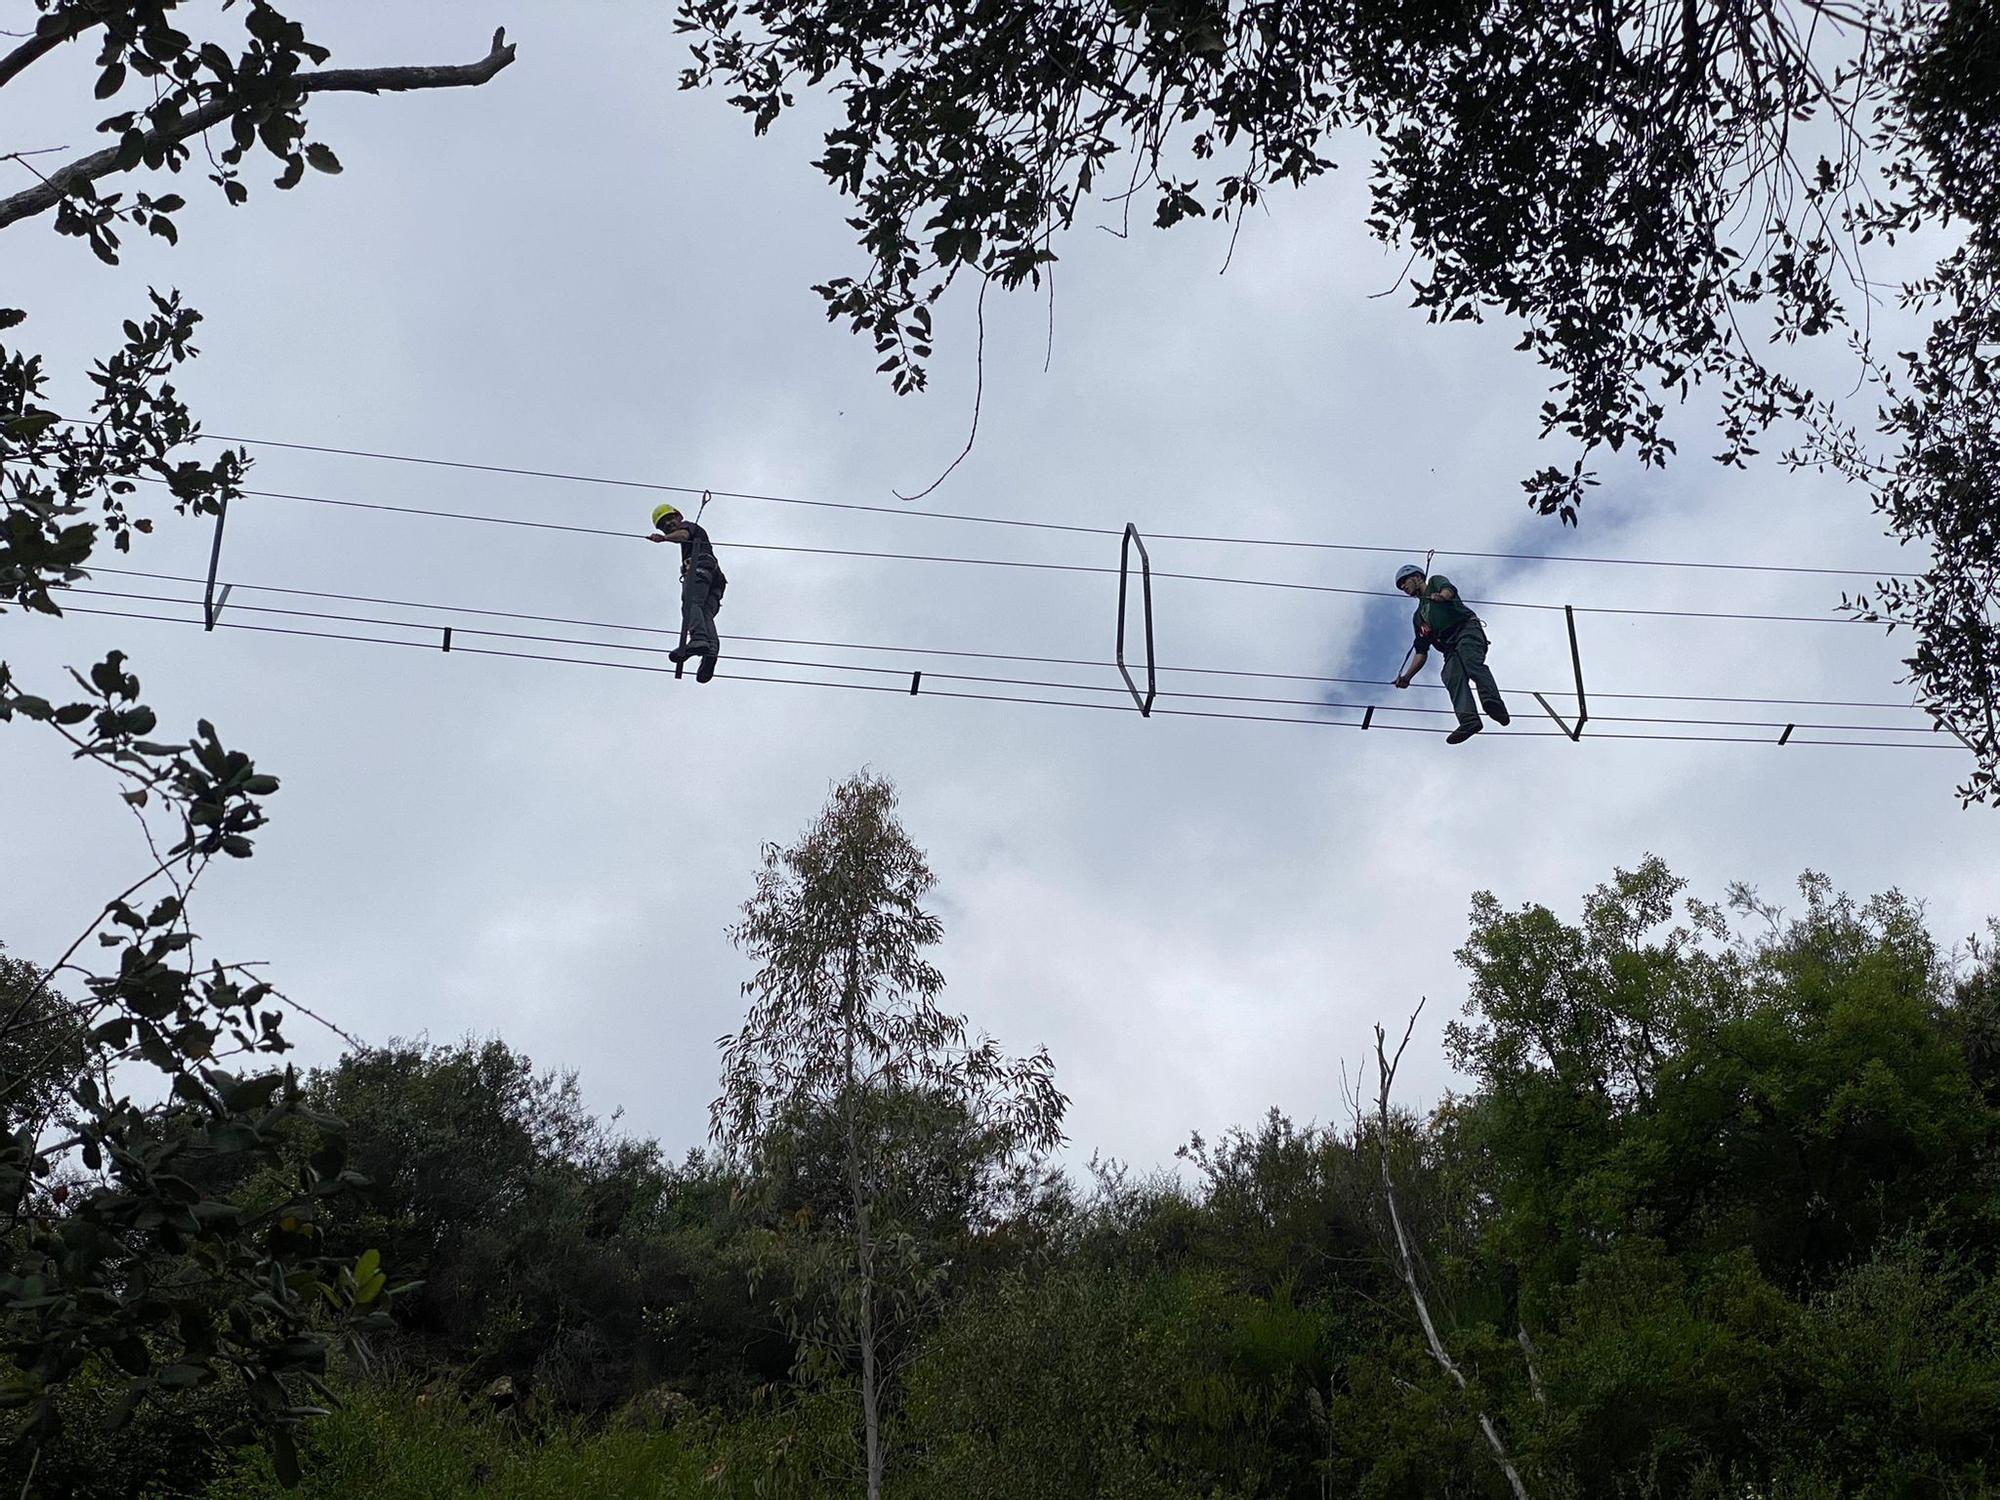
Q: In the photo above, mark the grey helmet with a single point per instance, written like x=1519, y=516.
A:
x=1408, y=570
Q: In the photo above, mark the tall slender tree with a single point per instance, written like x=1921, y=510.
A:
x=844, y=1024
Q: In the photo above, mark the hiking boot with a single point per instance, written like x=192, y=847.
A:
x=681, y=653
x=707, y=668
x=1497, y=712
x=1464, y=732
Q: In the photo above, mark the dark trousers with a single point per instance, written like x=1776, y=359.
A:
x=701, y=602
x=1465, y=670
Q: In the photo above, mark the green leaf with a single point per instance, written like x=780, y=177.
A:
x=132, y=1355
x=285, y=1459
x=322, y=158
x=111, y=80
x=122, y=1409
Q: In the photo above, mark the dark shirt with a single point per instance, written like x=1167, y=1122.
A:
x=1439, y=621
x=696, y=551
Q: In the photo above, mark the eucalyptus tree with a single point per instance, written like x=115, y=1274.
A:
x=844, y=1026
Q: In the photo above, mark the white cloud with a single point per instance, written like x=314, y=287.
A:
x=578, y=269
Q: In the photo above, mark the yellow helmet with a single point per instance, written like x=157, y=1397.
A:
x=661, y=512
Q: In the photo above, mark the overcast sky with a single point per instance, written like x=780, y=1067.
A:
x=577, y=268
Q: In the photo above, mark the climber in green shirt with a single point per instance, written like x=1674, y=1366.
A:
x=1445, y=624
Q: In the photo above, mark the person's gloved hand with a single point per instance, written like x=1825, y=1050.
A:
x=1402, y=682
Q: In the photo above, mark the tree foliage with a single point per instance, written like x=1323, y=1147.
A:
x=552, y=1252
x=253, y=86
x=1660, y=194
x=152, y=1244
x=1717, y=1214
x=138, y=1111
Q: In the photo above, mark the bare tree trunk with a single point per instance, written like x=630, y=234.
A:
x=864, y=1258
x=1385, y=1067
x=1534, y=1376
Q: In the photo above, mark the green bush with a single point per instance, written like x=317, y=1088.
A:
x=395, y=1443
x=385, y=1446
x=1091, y=1383
x=169, y=1449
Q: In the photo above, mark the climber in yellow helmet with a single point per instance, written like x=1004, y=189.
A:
x=702, y=584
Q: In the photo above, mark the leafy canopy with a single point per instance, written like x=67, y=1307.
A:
x=1660, y=194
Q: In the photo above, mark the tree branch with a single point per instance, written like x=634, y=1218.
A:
x=1528, y=1356
x=401, y=80
x=42, y=43
x=59, y=184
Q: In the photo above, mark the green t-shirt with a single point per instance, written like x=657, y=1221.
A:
x=1437, y=619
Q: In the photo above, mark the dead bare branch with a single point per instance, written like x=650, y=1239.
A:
x=1385, y=1068
x=1528, y=1354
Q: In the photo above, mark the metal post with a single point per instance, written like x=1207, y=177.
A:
x=1787, y=734
x=211, y=607
x=915, y=678
x=447, y=638
x=1369, y=717
x=1146, y=595
x=1576, y=666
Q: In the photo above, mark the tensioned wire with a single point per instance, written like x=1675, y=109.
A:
x=1064, y=661
x=1016, y=521
x=1051, y=567
x=1115, y=690
x=960, y=693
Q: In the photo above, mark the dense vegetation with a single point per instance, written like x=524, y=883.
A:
x=1718, y=1214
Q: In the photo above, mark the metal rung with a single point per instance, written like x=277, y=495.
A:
x=211, y=606
x=1576, y=666
x=1125, y=546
